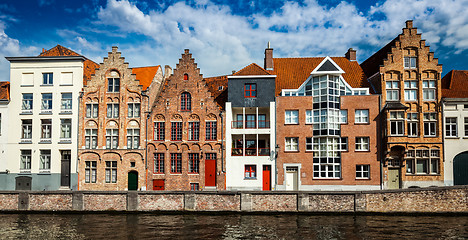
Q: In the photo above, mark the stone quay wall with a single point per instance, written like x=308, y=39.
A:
x=423, y=200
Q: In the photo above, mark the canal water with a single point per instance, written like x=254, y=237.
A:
x=230, y=226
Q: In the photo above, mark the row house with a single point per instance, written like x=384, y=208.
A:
x=185, y=131
x=408, y=77
x=43, y=107
x=4, y=102
x=250, y=130
x=455, y=111
x=326, y=126
x=113, y=108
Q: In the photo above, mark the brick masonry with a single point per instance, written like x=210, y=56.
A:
x=429, y=200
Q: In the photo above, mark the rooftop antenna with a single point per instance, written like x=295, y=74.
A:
x=268, y=44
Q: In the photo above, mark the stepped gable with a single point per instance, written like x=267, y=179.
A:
x=145, y=75
x=252, y=69
x=89, y=67
x=218, y=87
x=292, y=72
x=454, y=84
x=372, y=65
x=5, y=90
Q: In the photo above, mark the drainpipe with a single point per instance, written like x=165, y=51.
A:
x=379, y=133
x=222, y=142
x=80, y=101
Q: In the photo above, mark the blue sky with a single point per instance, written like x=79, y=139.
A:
x=227, y=35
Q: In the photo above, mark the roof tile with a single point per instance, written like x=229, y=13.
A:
x=454, y=84
x=145, y=75
x=4, y=90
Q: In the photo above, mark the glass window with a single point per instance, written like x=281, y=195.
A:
x=112, y=138
x=176, y=131
x=309, y=144
x=90, y=138
x=111, y=171
x=411, y=90
x=133, y=110
x=92, y=110
x=194, y=162
x=65, y=128
x=66, y=101
x=112, y=110
x=250, y=90
x=46, y=128
x=291, y=144
x=113, y=84
x=25, y=160
x=361, y=116
x=392, y=88
x=250, y=171
x=430, y=124
x=194, y=186
x=133, y=138
x=362, y=144
x=159, y=131
x=26, y=126
x=397, y=123
x=194, y=131
x=343, y=116
x=176, y=163
x=27, y=103
x=466, y=127
x=159, y=163
x=429, y=90
x=291, y=117
x=90, y=171
x=309, y=117
x=451, y=127
x=46, y=101
x=45, y=160
x=185, y=101
x=413, y=124
x=47, y=78
x=211, y=131
x=362, y=172
x=410, y=62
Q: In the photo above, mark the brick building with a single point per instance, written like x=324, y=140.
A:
x=113, y=113
x=408, y=77
x=326, y=126
x=185, y=131
x=455, y=115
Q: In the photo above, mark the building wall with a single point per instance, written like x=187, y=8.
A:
x=48, y=180
x=3, y=136
x=265, y=91
x=128, y=159
x=454, y=145
x=303, y=159
x=410, y=44
x=167, y=109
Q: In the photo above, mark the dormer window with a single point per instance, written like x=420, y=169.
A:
x=250, y=90
x=113, y=82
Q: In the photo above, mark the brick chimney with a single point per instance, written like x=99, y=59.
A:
x=268, y=63
x=351, y=54
x=409, y=24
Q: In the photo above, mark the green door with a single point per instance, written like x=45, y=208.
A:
x=133, y=180
x=460, y=169
x=393, y=178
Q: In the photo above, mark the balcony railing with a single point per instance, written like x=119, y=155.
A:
x=250, y=152
x=250, y=124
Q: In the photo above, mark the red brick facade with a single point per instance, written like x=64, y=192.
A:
x=182, y=153
x=112, y=125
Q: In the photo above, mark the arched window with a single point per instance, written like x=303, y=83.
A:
x=185, y=102
x=186, y=76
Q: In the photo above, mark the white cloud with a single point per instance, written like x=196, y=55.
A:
x=221, y=40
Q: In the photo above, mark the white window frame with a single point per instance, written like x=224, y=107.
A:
x=309, y=117
x=27, y=103
x=91, y=138
x=111, y=172
x=46, y=129
x=112, y=138
x=26, y=129
x=429, y=90
x=90, y=171
x=48, y=78
x=393, y=90
x=361, y=116
x=291, y=144
x=25, y=164
x=65, y=128
x=411, y=90
x=112, y=110
x=46, y=102
x=397, y=123
x=45, y=160
x=92, y=110
x=291, y=117
x=413, y=124
x=362, y=144
x=362, y=170
x=134, y=110
x=410, y=62
x=430, y=124
x=451, y=127
x=133, y=138
x=67, y=101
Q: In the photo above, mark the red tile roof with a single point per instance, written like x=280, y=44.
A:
x=145, y=75
x=292, y=72
x=4, y=90
x=455, y=84
x=218, y=88
x=252, y=69
x=89, y=67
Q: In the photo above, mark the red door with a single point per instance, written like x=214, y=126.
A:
x=266, y=177
x=158, y=184
x=210, y=173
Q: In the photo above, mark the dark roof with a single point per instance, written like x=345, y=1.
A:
x=4, y=90
x=252, y=69
x=394, y=106
x=292, y=72
x=145, y=75
x=89, y=67
x=218, y=89
x=372, y=65
x=455, y=84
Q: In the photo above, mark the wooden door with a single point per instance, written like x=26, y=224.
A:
x=133, y=180
x=460, y=169
x=158, y=184
x=210, y=173
x=291, y=178
x=266, y=177
x=393, y=178
x=65, y=169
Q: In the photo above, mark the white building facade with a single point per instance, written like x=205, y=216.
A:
x=43, y=122
x=4, y=102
